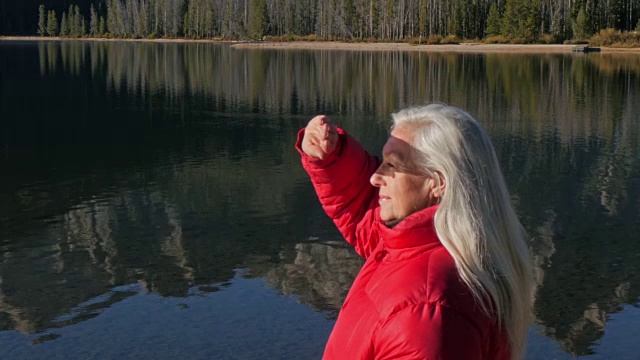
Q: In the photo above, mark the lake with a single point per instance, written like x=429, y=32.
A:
x=152, y=204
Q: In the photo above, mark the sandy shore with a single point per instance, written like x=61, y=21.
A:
x=463, y=47
x=336, y=45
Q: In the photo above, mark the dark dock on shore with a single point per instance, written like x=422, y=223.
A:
x=584, y=49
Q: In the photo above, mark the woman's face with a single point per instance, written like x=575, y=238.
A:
x=404, y=188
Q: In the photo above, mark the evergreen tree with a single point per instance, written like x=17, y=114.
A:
x=143, y=20
x=42, y=20
x=186, y=24
x=454, y=25
x=64, y=27
x=93, y=21
x=638, y=26
x=423, y=18
x=521, y=20
x=112, y=21
x=102, y=27
x=580, y=26
x=190, y=21
x=77, y=21
x=52, y=23
x=493, y=20
x=258, y=21
x=71, y=22
x=209, y=20
x=350, y=16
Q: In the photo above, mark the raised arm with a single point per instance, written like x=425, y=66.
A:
x=340, y=169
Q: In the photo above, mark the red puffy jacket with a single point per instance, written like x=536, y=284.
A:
x=408, y=301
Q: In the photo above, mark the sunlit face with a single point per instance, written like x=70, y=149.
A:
x=404, y=189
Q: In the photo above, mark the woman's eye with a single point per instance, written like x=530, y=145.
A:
x=390, y=165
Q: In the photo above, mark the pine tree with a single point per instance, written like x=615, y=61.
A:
x=423, y=18
x=493, y=20
x=350, y=19
x=112, y=22
x=77, y=22
x=258, y=19
x=93, y=21
x=521, y=20
x=186, y=23
x=143, y=20
x=102, y=27
x=189, y=26
x=64, y=27
x=42, y=20
x=71, y=22
x=52, y=23
x=209, y=21
x=580, y=26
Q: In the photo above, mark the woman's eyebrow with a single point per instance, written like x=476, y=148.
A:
x=393, y=156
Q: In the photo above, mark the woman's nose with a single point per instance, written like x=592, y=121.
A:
x=376, y=179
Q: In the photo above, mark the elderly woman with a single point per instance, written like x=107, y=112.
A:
x=448, y=271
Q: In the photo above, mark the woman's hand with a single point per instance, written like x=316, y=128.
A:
x=320, y=138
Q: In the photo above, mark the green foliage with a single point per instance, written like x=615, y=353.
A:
x=186, y=24
x=71, y=21
x=102, y=27
x=516, y=21
x=521, y=20
x=42, y=25
x=197, y=20
x=52, y=23
x=580, y=26
x=494, y=20
x=93, y=21
x=258, y=18
x=454, y=25
x=64, y=27
x=350, y=15
x=76, y=30
x=112, y=21
x=143, y=21
x=423, y=18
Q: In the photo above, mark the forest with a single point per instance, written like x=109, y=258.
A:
x=431, y=21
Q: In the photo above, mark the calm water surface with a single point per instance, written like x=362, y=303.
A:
x=152, y=204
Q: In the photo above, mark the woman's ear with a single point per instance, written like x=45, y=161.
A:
x=438, y=187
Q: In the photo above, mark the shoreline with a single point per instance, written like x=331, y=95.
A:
x=348, y=46
x=460, y=48
x=159, y=40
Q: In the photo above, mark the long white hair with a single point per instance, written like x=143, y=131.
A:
x=475, y=221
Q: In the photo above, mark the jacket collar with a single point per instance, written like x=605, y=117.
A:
x=415, y=230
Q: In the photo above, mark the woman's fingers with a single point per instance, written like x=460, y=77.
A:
x=330, y=139
x=320, y=138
